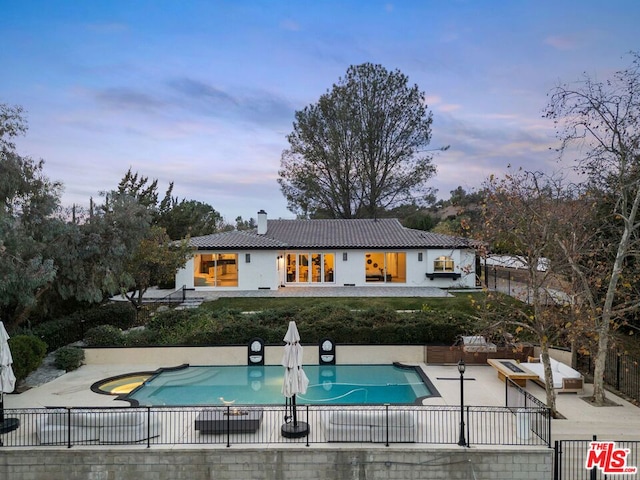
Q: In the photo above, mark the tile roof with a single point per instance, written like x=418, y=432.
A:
x=353, y=233
x=234, y=240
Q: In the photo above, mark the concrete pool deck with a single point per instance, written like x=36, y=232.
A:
x=481, y=388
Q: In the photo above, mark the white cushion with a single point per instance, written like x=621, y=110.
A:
x=474, y=340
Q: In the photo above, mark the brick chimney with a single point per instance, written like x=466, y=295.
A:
x=262, y=222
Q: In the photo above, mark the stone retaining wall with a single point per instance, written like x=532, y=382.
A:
x=373, y=463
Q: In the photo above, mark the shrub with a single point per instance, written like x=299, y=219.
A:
x=226, y=326
x=68, y=358
x=117, y=314
x=104, y=336
x=66, y=330
x=60, y=332
x=27, y=351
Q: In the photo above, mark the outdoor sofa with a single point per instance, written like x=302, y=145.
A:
x=565, y=378
x=369, y=426
x=98, y=426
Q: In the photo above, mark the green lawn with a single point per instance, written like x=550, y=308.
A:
x=459, y=302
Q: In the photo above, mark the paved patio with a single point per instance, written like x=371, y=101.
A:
x=482, y=388
x=319, y=291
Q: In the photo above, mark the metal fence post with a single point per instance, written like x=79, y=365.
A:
x=228, y=426
x=68, y=427
x=148, y=427
x=468, y=428
x=307, y=408
x=386, y=423
x=618, y=371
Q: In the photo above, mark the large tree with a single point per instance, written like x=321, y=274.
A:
x=150, y=256
x=525, y=212
x=29, y=202
x=602, y=119
x=154, y=260
x=360, y=149
x=190, y=218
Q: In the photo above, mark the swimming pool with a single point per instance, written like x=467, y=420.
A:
x=251, y=385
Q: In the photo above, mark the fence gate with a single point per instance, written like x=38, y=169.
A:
x=608, y=459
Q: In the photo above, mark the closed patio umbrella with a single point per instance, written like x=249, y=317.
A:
x=7, y=380
x=295, y=382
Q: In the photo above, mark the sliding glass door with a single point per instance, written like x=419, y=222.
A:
x=309, y=267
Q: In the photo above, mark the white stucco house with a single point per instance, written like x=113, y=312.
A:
x=317, y=253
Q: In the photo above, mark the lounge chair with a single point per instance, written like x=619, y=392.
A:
x=91, y=426
x=369, y=426
x=565, y=378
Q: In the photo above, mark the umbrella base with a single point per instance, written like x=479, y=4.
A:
x=289, y=430
x=8, y=425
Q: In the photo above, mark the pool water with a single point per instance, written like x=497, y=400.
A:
x=251, y=385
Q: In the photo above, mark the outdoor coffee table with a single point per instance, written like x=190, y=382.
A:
x=228, y=421
x=508, y=368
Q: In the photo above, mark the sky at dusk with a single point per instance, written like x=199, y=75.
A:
x=203, y=93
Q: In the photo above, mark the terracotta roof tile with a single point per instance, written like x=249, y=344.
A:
x=355, y=233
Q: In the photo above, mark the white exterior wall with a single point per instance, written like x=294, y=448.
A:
x=266, y=269
x=464, y=263
x=261, y=272
x=184, y=276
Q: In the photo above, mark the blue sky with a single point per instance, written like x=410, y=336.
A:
x=203, y=93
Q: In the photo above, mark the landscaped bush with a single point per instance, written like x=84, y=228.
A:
x=438, y=323
x=104, y=336
x=27, y=351
x=68, y=358
x=226, y=326
x=141, y=338
x=60, y=332
x=119, y=314
x=66, y=330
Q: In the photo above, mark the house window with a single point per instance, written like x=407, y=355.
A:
x=344, y=256
x=419, y=256
x=443, y=264
x=247, y=258
x=385, y=267
x=309, y=267
x=215, y=270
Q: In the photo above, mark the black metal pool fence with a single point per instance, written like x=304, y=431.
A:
x=252, y=424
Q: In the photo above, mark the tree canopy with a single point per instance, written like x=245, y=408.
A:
x=602, y=118
x=28, y=204
x=360, y=149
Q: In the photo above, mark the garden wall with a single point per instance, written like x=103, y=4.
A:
x=237, y=355
x=300, y=463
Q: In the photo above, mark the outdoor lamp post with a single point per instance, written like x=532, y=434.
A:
x=461, y=367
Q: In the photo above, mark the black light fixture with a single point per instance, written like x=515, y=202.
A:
x=461, y=368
